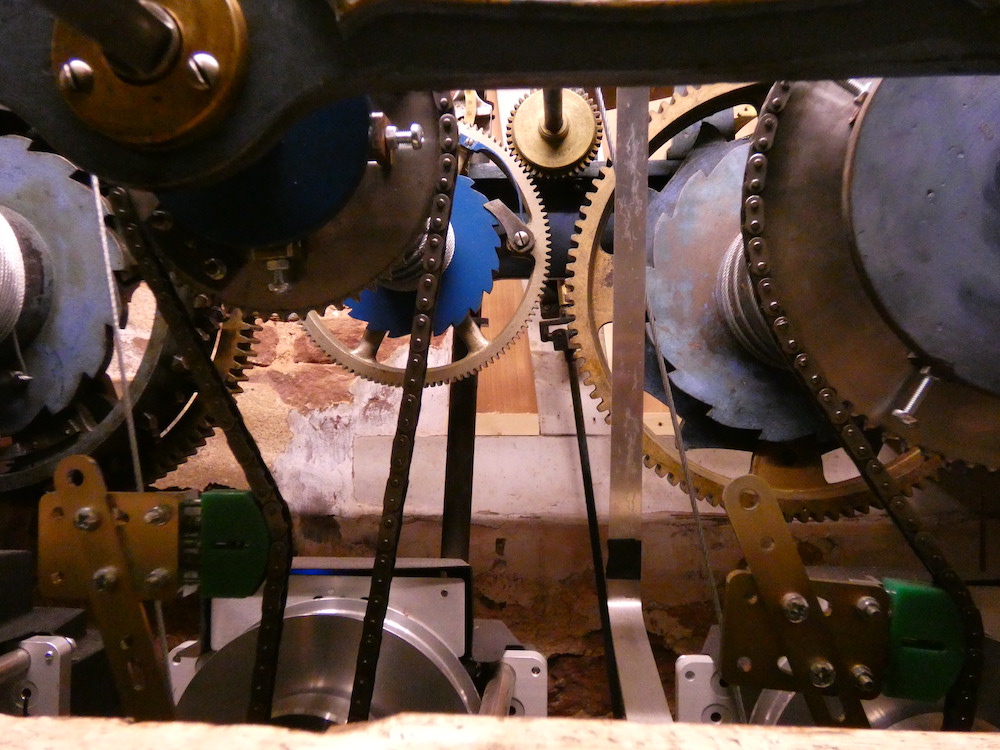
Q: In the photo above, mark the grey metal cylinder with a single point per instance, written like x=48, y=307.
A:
x=12, y=279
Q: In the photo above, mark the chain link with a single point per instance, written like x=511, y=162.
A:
x=960, y=704
x=226, y=415
x=409, y=413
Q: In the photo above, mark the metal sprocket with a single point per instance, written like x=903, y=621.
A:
x=362, y=361
x=544, y=158
x=799, y=484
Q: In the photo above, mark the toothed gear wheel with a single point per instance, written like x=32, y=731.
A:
x=363, y=358
x=378, y=223
x=471, y=260
x=795, y=470
x=562, y=154
x=64, y=319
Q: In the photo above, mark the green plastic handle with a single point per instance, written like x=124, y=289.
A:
x=234, y=544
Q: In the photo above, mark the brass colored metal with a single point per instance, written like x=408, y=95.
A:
x=191, y=96
x=552, y=154
x=861, y=642
x=820, y=660
x=800, y=486
x=96, y=564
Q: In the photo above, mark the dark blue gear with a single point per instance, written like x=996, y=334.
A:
x=464, y=282
x=299, y=185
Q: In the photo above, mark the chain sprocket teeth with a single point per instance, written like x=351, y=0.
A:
x=573, y=167
x=509, y=334
x=809, y=503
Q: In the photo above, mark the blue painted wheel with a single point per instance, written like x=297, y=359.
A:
x=464, y=282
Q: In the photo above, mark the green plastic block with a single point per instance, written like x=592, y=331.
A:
x=234, y=544
x=925, y=641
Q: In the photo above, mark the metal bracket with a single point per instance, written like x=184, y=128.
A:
x=806, y=644
x=518, y=237
x=84, y=552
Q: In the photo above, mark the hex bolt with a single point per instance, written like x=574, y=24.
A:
x=158, y=578
x=906, y=415
x=412, y=138
x=868, y=607
x=158, y=515
x=106, y=578
x=76, y=76
x=795, y=607
x=87, y=518
x=203, y=70
x=863, y=678
x=822, y=674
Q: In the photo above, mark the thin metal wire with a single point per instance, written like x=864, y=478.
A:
x=706, y=557
x=115, y=303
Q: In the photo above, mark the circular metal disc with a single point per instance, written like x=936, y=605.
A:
x=319, y=649
x=924, y=199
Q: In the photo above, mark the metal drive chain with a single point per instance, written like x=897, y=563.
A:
x=960, y=704
x=409, y=414
x=222, y=407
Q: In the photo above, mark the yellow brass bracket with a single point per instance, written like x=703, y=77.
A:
x=827, y=640
x=191, y=95
x=114, y=549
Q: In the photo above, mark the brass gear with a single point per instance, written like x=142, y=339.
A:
x=562, y=154
x=361, y=360
x=795, y=471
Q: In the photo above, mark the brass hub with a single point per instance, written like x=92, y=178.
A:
x=555, y=154
x=190, y=96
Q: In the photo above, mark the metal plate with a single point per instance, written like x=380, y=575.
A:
x=923, y=192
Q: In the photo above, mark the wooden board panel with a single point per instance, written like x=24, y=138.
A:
x=507, y=404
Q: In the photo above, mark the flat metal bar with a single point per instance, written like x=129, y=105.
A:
x=642, y=690
x=628, y=344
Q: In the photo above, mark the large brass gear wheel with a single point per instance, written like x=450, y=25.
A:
x=794, y=470
x=363, y=359
x=561, y=154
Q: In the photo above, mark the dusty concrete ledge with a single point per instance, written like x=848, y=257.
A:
x=439, y=732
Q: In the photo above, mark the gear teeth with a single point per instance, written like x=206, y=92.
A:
x=539, y=172
x=909, y=467
x=519, y=321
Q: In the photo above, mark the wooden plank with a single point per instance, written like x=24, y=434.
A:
x=507, y=403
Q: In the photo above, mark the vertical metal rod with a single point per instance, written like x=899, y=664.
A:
x=629, y=315
x=642, y=690
x=608, y=141
x=459, y=469
x=600, y=580
x=552, y=101
x=131, y=35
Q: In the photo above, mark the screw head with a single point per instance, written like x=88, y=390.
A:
x=87, y=518
x=521, y=238
x=158, y=578
x=795, y=607
x=203, y=71
x=50, y=656
x=868, y=607
x=76, y=76
x=158, y=515
x=822, y=674
x=106, y=578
